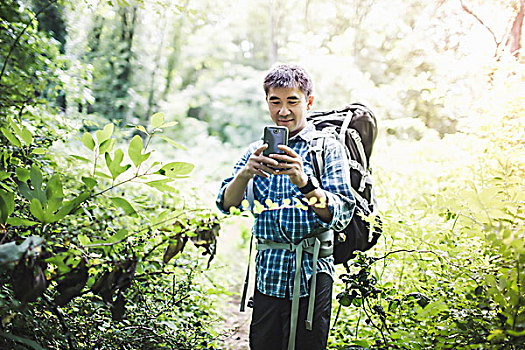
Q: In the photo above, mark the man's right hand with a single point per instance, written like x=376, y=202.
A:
x=258, y=164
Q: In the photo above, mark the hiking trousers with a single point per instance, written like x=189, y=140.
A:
x=270, y=326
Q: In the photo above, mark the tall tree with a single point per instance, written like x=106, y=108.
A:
x=123, y=68
x=273, y=20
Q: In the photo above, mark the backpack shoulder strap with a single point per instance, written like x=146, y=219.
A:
x=317, y=153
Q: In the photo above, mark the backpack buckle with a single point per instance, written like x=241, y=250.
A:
x=308, y=325
x=308, y=242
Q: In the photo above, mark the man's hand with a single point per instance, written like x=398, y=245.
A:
x=291, y=165
x=258, y=164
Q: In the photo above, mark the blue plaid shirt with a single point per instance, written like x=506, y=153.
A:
x=275, y=268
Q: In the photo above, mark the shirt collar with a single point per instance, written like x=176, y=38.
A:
x=307, y=133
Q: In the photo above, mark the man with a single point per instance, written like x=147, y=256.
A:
x=289, y=96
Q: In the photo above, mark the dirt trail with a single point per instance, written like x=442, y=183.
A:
x=239, y=325
x=232, y=255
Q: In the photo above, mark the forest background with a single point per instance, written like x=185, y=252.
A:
x=119, y=119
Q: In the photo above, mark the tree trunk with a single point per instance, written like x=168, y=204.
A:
x=152, y=104
x=173, y=58
x=306, y=14
x=272, y=55
x=128, y=17
x=513, y=42
x=94, y=35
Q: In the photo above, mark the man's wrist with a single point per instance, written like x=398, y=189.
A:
x=303, y=181
x=311, y=185
x=244, y=175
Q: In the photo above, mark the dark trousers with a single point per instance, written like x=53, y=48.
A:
x=270, y=326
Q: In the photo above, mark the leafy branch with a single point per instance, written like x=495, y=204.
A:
x=17, y=39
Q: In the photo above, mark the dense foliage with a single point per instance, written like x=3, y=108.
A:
x=451, y=275
x=90, y=226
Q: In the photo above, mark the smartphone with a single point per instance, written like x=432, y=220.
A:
x=274, y=136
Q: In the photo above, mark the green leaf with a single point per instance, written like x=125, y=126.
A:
x=176, y=169
x=142, y=129
x=59, y=260
x=36, y=177
x=84, y=240
x=38, y=212
x=24, y=190
x=114, y=164
x=156, y=219
x=7, y=205
x=432, y=309
x=516, y=333
x=11, y=137
x=162, y=185
x=22, y=132
x=20, y=222
x=14, y=126
x=172, y=142
x=26, y=136
x=83, y=159
x=106, y=146
x=3, y=210
x=169, y=124
x=54, y=187
x=31, y=343
x=104, y=134
x=157, y=120
x=124, y=205
x=118, y=236
x=60, y=214
x=519, y=245
x=135, y=151
x=88, y=141
x=360, y=342
x=36, y=181
x=312, y=200
x=66, y=208
x=11, y=252
x=79, y=199
x=22, y=174
x=89, y=182
x=54, y=193
x=39, y=150
x=258, y=207
x=101, y=174
x=4, y=175
x=491, y=280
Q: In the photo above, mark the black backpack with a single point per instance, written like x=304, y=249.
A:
x=355, y=127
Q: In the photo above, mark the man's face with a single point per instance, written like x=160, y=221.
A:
x=288, y=107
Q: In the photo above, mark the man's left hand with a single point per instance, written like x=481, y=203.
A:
x=291, y=164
